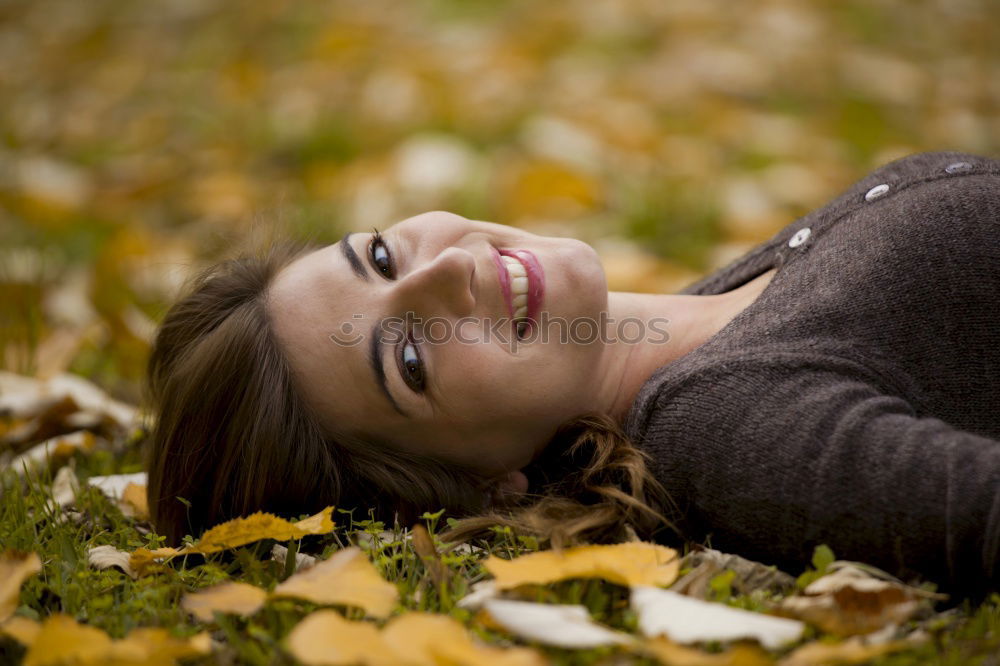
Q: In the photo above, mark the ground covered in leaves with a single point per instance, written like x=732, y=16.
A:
x=85, y=580
x=142, y=140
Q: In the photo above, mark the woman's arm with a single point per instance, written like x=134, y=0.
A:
x=791, y=456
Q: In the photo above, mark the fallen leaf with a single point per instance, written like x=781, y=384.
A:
x=687, y=620
x=156, y=647
x=25, y=397
x=127, y=491
x=241, y=531
x=65, y=486
x=852, y=601
x=420, y=639
x=105, y=557
x=478, y=595
x=55, y=450
x=851, y=651
x=134, y=497
x=324, y=637
x=279, y=554
x=21, y=629
x=61, y=640
x=347, y=578
x=233, y=598
x=749, y=575
x=236, y=533
x=672, y=654
x=560, y=625
x=632, y=563
x=424, y=547
x=114, y=486
x=15, y=567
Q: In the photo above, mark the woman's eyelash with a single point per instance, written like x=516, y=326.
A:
x=378, y=250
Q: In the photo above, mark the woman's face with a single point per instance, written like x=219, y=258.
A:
x=444, y=374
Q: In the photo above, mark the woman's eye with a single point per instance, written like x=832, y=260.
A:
x=381, y=259
x=412, y=366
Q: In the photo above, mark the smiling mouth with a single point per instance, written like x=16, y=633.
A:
x=524, y=288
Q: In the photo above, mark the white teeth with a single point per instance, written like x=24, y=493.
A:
x=518, y=286
x=514, y=267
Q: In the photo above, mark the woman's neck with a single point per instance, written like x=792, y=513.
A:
x=667, y=326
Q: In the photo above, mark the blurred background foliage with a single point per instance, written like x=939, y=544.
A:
x=141, y=140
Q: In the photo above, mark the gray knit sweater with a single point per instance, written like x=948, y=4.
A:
x=856, y=402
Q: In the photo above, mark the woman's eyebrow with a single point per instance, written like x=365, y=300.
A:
x=353, y=259
x=375, y=360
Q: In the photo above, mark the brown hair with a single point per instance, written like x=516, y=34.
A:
x=232, y=436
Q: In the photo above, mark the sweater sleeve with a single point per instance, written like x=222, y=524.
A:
x=775, y=458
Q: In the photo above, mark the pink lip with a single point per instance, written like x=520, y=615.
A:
x=536, y=282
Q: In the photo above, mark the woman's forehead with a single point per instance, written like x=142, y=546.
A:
x=309, y=301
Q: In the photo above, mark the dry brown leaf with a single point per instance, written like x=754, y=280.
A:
x=324, y=637
x=633, y=563
x=671, y=654
x=749, y=575
x=21, y=629
x=235, y=598
x=347, y=578
x=420, y=639
x=850, y=601
x=851, y=651
x=236, y=533
x=424, y=547
x=134, y=496
x=15, y=567
x=104, y=557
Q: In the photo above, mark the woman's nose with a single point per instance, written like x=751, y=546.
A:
x=439, y=287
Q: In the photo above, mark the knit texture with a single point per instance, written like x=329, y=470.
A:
x=856, y=401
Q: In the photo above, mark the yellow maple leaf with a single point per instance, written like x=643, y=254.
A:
x=425, y=639
x=235, y=598
x=633, y=563
x=324, y=637
x=346, y=578
x=15, y=567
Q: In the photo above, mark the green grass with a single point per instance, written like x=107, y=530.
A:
x=112, y=601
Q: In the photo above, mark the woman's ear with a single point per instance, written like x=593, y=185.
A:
x=513, y=482
x=507, y=486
